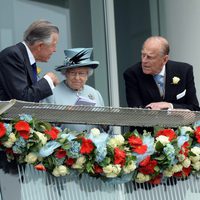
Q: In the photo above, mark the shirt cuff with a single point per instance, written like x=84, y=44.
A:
x=49, y=80
x=171, y=107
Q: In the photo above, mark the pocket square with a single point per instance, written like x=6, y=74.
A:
x=182, y=94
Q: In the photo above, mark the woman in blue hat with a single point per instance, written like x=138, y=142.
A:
x=77, y=67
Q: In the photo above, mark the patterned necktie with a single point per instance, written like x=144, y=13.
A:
x=159, y=79
x=34, y=67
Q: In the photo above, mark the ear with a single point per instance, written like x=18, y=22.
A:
x=166, y=58
x=38, y=45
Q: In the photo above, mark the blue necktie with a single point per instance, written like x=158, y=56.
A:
x=159, y=79
x=34, y=72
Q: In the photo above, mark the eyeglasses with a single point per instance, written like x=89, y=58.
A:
x=80, y=74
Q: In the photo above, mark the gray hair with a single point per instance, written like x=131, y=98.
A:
x=164, y=50
x=40, y=30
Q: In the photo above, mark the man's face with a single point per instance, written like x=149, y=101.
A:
x=152, y=60
x=45, y=51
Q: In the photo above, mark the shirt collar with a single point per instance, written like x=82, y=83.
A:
x=30, y=55
x=162, y=73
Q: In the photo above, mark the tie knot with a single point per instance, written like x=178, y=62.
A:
x=159, y=78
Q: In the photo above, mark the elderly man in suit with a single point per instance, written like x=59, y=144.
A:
x=175, y=87
x=18, y=72
x=18, y=80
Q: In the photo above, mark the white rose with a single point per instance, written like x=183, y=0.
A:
x=194, y=159
x=163, y=139
x=79, y=163
x=60, y=171
x=56, y=172
x=8, y=144
x=130, y=167
x=81, y=160
x=31, y=158
x=168, y=173
x=63, y=170
x=95, y=132
x=112, y=143
x=181, y=157
x=42, y=137
x=195, y=150
x=12, y=138
x=119, y=140
x=186, y=163
x=177, y=168
x=175, y=80
x=141, y=178
x=112, y=171
x=116, y=169
x=196, y=166
x=108, y=169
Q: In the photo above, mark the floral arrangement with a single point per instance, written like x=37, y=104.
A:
x=146, y=157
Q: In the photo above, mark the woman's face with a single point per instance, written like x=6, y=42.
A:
x=77, y=77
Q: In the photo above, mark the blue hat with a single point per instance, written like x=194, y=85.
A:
x=78, y=57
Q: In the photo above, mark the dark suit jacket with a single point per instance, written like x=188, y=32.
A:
x=16, y=76
x=141, y=89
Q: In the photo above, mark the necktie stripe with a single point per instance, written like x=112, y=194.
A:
x=159, y=79
x=34, y=67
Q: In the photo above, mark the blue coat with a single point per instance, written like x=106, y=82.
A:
x=63, y=95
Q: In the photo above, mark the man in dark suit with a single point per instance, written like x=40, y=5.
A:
x=18, y=72
x=177, y=89
x=18, y=80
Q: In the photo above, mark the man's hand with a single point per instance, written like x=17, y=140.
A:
x=53, y=77
x=159, y=106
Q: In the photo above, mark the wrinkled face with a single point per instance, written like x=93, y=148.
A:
x=77, y=77
x=152, y=58
x=44, y=51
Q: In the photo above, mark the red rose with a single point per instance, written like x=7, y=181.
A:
x=149, y=168
x=185, y=149
x=2, y=130
x=70, y=161
x=134, y=141
x=97, y=169
x=119, y=157
x=23, y=128
x=53, y=133
x=156, y=180
x=184, y=173
x=87, y=146
x=140, y=149
x=40, y=167
x=197, y=134
x=61, y=153
x=168, y=133
x=145, y=161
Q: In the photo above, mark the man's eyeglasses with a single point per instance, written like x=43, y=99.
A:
x=80, y=74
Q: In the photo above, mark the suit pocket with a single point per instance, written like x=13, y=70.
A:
x=181, y=95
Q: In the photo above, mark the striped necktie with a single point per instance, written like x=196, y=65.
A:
x=34, y=67
x=159, y=79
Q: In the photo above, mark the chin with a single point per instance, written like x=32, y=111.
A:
x=146, y=71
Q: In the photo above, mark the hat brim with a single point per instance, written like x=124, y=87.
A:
x=92, y=64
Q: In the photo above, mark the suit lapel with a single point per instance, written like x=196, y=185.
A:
x=29, y=68
x=170, y=89
x=151, y=87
